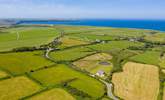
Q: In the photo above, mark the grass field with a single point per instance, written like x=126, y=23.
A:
x=19, y=63
x=70, y=54
x=121, y=32
x=148, y=57
x=115, y=45
x=159, y=37
x=53, y=94
x=26, y=37
x=137, y=82
x=62, y=73
x=67, y=74
x=16, y=88
x=68, y=29
x=92, y=63
x=92, y=37
x=68, y=42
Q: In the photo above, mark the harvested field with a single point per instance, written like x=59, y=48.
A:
x=16, y=88
x=137, y=82
x=53, y=94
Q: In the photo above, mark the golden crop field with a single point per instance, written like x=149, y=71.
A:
x=16, y=88
x=53, y=94
x=68, y=42
x=3, y=74
x=137, y=82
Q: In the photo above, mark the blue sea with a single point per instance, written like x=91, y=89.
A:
x=138, y=24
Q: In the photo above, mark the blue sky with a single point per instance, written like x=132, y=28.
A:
x=112, y=9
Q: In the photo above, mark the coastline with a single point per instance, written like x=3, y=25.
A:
x=131, y=24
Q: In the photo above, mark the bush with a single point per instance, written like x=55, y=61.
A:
x=22, y=49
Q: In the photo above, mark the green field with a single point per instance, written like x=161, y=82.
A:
x=115, y=45
x=71, y=54
x=149, y=57
x=66, y=61
x=19, y=63
x=62, y=73
x=26, y=37
x=92, y=37
x=158, y=38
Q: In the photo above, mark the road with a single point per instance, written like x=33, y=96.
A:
x=109, y=90
x=47, y=53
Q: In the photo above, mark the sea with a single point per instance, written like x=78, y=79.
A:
x=118, y=23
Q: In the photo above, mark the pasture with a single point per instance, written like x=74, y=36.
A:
x=114, y=45
x=137, y=81
x=92, y=37
x=21, y=62
x=62, y=73
x=148, y=57
x=71, y=54
x=26, y=37
x=158, y=37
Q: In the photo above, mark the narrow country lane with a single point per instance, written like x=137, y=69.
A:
x=109, y=90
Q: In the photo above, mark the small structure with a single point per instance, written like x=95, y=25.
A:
x=103, y=42
x=97, y=40
x=100, y=73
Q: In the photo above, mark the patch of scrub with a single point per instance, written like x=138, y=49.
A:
x=137, y=82
x=17, y=88
x=53, y=94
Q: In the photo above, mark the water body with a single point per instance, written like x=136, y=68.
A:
x=139, y=24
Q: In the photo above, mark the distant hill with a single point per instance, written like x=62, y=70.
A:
x=8, y=22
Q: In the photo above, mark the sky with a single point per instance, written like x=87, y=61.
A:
x=71, y=9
